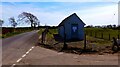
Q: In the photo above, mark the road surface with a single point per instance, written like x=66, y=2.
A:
x=42, y=56
x=14, y=47
x=17, y=51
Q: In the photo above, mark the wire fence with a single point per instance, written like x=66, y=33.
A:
x=103, y=35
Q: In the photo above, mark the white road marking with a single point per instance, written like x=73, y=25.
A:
x=13, y=65
x=27, y=52
x=19, y=60
x=33, y=47
x=23, y=56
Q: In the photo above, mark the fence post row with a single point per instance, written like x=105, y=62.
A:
x=44, y=33
x=101, y=35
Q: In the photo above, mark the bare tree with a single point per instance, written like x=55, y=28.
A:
x=13, y=22
x=28, y=18
x=1, y=22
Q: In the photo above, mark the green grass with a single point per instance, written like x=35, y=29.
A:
x=13, y=33
x=89, y=38
x=40, y=31
x=49, y=36
x=10, y=34
x=53, y=31
x=92, y=39
x=97, y=41
x=100, y=44
x=100, y=31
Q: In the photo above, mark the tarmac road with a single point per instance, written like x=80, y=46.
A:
x=41, y=56
x=14, y=47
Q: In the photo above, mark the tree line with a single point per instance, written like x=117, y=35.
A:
x=105, y=26
x=24, y=17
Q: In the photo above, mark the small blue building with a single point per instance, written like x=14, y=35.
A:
x=72, y=27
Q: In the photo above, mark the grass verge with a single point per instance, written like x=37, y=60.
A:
x=94, y=45
x=12, y=34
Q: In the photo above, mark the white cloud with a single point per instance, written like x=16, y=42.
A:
x=92, y=16
x=100, y=15
x=44, y=17
x=49, y=18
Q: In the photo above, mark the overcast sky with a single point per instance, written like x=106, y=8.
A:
x=52, y=13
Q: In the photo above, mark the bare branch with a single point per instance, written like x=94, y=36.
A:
x=28, y=18
x=13, y=22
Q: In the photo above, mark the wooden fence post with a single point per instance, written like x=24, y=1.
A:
x=42, y=38
x=109, y=36
x=101, y=35
x=115, y=44
x=65, y=45
x=44, y=33
x=85, y=42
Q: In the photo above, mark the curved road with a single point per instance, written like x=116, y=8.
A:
x=14, y=47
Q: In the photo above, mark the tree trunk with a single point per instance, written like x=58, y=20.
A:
x=31, y=25
x=34, y=25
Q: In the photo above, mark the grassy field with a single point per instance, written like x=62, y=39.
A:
x=99, y=44
x=7, y=32
x=106, y=34
x=98, y=33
